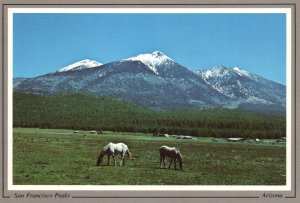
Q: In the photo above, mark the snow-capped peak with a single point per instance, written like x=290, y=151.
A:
x=86, y=63
x=151, y=60
x=241, y=72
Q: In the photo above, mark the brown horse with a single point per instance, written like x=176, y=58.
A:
x=171, y=152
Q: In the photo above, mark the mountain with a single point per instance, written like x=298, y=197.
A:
x=153, y=60
x=246, y=89
x=86, y=63
x=155, y=80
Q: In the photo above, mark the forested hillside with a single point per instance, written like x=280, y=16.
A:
x=87, y=112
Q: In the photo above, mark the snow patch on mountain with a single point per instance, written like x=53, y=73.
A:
x=217, y=71
x=242, y=72
x=221, y=71
x=243, y=89
x=151, y=60
x=83, y=64
x=256, y=100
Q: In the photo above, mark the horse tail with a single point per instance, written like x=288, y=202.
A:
x=129, y=155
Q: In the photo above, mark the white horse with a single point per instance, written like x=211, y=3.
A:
x=113, y=149
x=171, y=152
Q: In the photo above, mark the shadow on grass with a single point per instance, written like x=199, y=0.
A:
x=168, y=169
x=111, y=165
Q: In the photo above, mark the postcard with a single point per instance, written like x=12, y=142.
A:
x=107, y=101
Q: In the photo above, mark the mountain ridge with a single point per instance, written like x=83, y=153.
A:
x=155, y=80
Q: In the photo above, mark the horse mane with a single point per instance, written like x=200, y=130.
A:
x=178, y=153
x=104, y=149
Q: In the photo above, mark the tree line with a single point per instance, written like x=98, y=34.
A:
x=89, y=112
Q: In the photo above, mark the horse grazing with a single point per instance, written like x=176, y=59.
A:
x=171, y=152
x=113, y=149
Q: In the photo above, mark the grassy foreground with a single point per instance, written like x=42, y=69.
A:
x=62, y=157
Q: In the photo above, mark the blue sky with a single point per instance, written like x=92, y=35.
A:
x=44, y=43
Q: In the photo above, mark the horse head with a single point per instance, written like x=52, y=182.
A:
x=179, y=158
x=100, y=158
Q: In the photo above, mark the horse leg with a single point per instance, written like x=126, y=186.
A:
x=170, y=163
x=113, y=156
x=160, y=162
x=164, y=161
x=124, y=159
x=122, y=162
x=108, y=159
x=175, y=163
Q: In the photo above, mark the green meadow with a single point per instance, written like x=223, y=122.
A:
x=63, y=157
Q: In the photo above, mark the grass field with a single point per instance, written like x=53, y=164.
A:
x=62, y=157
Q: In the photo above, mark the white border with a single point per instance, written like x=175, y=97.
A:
x=286, y=187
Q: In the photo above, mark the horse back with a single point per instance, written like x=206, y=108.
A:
x=120, y=147
x=124, y=146
x=167, y=151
